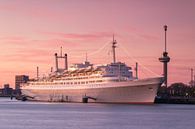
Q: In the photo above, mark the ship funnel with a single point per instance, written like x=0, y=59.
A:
x=65, y=58
x=66, y=61
x=51, y=69
x=37, y=72
x=136, y=70
x=56, y=59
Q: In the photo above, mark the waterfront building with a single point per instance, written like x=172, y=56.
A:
x=6, y=91
x=20, y=79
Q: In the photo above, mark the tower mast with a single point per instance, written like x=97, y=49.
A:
x=113, y=49
x=165, y=58
x=165, y=28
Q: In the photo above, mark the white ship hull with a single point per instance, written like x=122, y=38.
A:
x=136, y=91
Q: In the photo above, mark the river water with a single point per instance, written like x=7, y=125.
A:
x=38, y=115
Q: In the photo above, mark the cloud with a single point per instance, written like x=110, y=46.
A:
x=141, y=34
x=8, y=7
x=51, y=43
x=56, y=39
x=30, y=8
x=13, y=39
x=19, y=42
x=148, y=37
x=11, y=43
x=26, y=55
x=78, y=36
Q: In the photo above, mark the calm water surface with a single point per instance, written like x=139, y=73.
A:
x=36, y=115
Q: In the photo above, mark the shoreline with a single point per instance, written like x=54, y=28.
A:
x=170, y=100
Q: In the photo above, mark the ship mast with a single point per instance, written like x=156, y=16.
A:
x=86, y=57
x=113, y=49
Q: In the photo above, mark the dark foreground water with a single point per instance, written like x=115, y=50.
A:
x=35, y=115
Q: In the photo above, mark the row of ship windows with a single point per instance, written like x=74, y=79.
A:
x=67, y=83
x=117, y=72
x=81, y=78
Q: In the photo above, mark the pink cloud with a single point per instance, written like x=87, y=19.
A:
x=35, y=9
x=78, y=36
x=57, y=39
x=149, y=37
x=8, y=7
x=34, y=55
x=13, y=38
x=21, y=42
x=138, y=32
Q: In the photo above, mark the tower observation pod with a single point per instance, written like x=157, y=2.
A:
x=165, y=58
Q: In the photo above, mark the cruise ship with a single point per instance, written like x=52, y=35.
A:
x=85, y=82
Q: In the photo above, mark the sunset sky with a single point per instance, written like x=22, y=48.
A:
x=31, y=31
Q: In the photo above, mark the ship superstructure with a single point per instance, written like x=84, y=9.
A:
x=110, y=83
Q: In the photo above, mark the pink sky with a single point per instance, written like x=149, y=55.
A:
x=32, y=31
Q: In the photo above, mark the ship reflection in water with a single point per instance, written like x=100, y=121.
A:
x=37, y=115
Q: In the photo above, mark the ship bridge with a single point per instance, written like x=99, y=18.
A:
x=117, y=69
